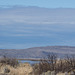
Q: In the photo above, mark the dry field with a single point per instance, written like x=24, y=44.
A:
x=52, y=66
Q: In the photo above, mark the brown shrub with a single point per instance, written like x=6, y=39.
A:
x=9, y=61
x=52, y=64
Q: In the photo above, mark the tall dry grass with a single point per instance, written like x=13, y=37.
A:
x=12, y=67
x=19, y=70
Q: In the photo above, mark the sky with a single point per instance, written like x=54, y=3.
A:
x=40, y=3
x=35, y=23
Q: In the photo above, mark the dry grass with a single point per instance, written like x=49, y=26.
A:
x=21, y=69
x=12, y=67
x=61, y=73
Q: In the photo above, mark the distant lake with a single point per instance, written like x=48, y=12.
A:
x=28, y=61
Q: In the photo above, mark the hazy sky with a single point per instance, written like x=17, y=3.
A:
x=32, y=23
x=41, y=3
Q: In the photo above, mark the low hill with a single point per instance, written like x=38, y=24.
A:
x=38, y=52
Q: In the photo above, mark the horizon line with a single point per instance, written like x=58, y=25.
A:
x=43, y=46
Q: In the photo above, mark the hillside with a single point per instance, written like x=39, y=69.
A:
x=37, y=52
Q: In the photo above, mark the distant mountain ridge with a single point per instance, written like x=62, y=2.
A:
x=38, y=52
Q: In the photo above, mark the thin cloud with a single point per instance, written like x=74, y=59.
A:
x=37, y=16
x=56, y=26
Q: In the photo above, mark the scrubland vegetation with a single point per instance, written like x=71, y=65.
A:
x=58, y=66
x=9, y=66
x=50, y=65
